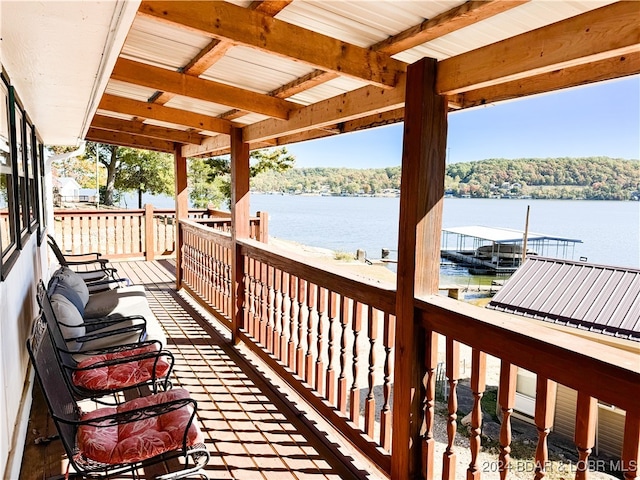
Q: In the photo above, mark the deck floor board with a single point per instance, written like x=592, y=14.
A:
x=250, y=432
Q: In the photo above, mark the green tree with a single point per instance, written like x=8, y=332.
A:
x=277, y=160
x=144, y=171
x=203, y=192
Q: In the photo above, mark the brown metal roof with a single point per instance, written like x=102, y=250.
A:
x=599, y=298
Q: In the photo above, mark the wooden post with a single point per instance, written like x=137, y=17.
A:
x=631, y=445
x=240, y=227
x=421, y=200
x=182, y=206
x=263, y=227
x=149, y=237
x=585, y=432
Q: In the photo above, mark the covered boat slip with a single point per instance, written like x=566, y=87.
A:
x=500, y=250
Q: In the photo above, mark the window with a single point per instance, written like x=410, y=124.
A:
x=20, y=180
x=30, y=170
x=7, y=209
x=42, y=207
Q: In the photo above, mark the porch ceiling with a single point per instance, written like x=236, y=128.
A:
x=292, y=70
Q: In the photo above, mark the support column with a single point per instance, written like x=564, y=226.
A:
x=239, y=224
x=421, y=201
x=182, y=206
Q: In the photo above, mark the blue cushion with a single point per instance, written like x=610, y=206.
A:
x=70, y=294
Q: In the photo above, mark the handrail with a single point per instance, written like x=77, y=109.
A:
x=614, y=374
x=378, y=295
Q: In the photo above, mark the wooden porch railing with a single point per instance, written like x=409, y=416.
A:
x=331, y=338
x=137, y=232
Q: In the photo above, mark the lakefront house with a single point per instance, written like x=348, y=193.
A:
x=215, y=77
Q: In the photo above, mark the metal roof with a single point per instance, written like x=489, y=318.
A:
x=598, y=298
x=504, y=235
x=296, y=69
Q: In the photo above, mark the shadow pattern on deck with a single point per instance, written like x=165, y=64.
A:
x=252, y=432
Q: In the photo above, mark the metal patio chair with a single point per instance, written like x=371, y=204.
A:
x=122, y=439
x=108, y=371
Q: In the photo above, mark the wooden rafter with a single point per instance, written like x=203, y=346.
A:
x=103, y=122
x=152, y=111
x=609, y=68
x=167, y=81
x=225, y=21
x=129, y=140
x=577, y=40
x=458, y=17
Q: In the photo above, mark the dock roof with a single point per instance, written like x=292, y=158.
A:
x=504, y=235
x=599, y=298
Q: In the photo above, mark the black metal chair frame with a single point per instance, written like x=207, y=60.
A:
x=70, y=365
x=66, y=415
x=87, y=259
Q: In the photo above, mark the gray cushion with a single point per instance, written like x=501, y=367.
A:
x=66, y=313
x=101, y=304
x=71, y=295
x=70, y=278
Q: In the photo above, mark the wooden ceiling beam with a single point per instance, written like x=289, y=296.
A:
x=103, y=122
x=129, y=140
x=606, y=69
x=450, y=21
x=151, y=111
x=241, y=26
x=577, y=40
x=167, y=81
x=269, y=7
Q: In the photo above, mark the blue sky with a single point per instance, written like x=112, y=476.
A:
x=594, y=120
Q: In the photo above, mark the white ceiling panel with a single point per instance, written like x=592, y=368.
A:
x=513, y=22
x=197, y=106
x=255, y=70
x=129, y=90
x=161, y=44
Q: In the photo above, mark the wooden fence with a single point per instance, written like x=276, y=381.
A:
x=135, y=233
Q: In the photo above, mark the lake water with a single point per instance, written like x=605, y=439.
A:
x=609, y=230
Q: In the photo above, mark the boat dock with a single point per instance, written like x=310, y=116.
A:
x=499, y=251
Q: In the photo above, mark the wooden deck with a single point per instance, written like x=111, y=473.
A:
x=254, y=429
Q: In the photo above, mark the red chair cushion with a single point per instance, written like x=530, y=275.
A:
x=115, y=377
x=137, y=440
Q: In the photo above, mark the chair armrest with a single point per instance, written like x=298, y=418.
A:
x=101, y=261
x=118, y=348
x=97, y=334
x=157, y=354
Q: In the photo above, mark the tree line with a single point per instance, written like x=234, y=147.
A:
x=593, y=178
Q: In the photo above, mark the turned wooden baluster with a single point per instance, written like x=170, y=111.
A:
x=308, y=360
x=227, y=279
x=453, y=376
x=545, y=401
x=388, y=340
x=585, y=432
x=631, y=445
x=284, y=284
x=429, y=405
x=322, y=298
x=342, y=379
x=332, y=311
x=291, y=352
x=250, y=294
x=264, y=291
x=354, y=394
x=271, y=298
x=370, y=402
x=302, y=284
x=277, y=312
x=507, y=400
x=478, y=376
